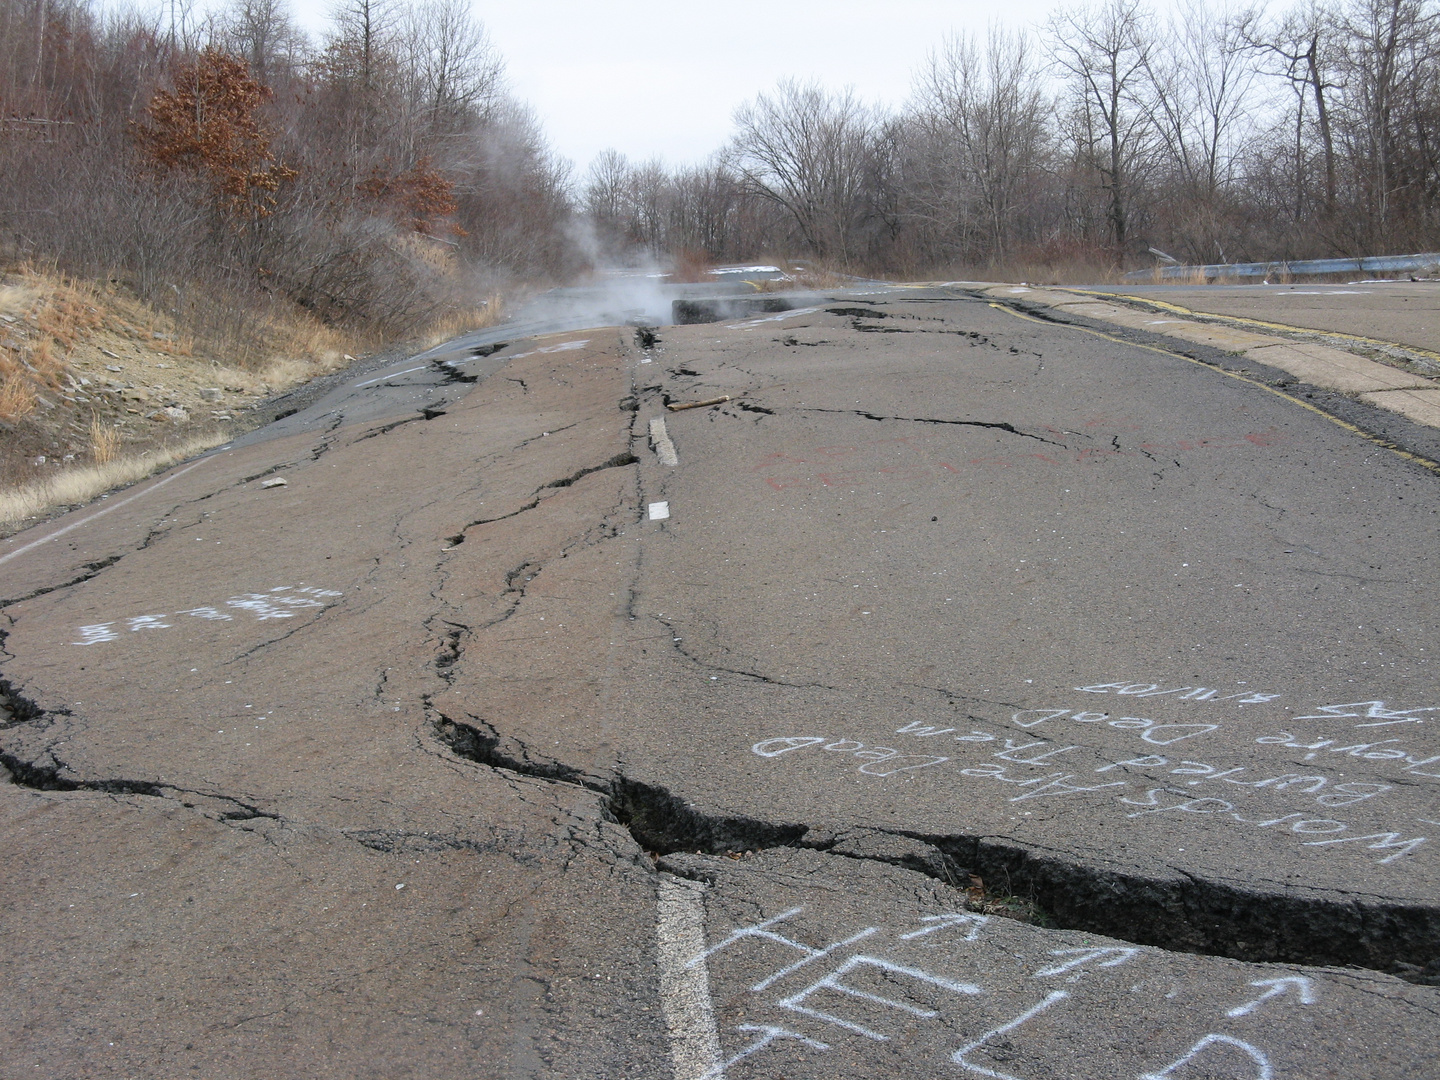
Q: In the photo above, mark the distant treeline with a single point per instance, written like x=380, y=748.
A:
x=1215, y=133
x=377, y=173
x=366, y=176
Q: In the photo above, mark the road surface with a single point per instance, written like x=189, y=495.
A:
x=978, y=694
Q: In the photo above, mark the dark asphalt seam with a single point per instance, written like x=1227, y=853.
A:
x=91, y=569
x=38, y=777
x=1181, y=912
x=1011, y=428
x=1024, y=311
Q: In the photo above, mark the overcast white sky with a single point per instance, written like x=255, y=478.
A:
x=661, y=79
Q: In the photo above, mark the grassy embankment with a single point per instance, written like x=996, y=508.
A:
x=99, y=390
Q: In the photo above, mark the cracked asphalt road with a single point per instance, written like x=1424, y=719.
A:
x=449, y=758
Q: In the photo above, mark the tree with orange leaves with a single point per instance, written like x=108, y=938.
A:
x=420, y=196
x=209, y=127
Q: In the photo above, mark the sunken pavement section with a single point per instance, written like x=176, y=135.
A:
x=909, y=741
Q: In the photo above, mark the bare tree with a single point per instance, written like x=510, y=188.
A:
x=979, y=126
x=1300, y=46
x=807, y=150
x=264, y=34
x=1103, y=53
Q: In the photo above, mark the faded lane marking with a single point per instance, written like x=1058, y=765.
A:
x=113, y=506
x=685, y=983
x=392, y=375
x=661, y=441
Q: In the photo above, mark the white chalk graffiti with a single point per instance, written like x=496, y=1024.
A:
x=1183, y=693
x=1301, y=986
x=1374, y=710
x=1368, y=750
x=1108, y=957
x=1267, y=1071
x=1029, y=1014
x=1150, y=731
x=762, y=930
x=1008, y=765
x=832, y=982
x=976, y=923
x=879, y=760
x=866, y=1014
x=768, y=1034
x=282, y=602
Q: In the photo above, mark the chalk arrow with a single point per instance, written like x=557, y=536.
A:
x=1278, y=988
x=975, y=922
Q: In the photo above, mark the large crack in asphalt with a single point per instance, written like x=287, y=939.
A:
x=1181, y=912
x=999, y=426
x=87, y=571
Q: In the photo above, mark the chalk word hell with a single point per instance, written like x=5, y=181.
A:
x=846, y=958
x=281, y=602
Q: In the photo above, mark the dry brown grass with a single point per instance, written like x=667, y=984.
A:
x=17, y=396
x=79, y=485
x=453, y=323
x=104, y=441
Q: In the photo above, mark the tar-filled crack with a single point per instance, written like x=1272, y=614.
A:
x=266, y=472
x=615, y=462
x=1177, y=911
x=88, y=571
x=429, y=412
x=1002, y=426
x=53, y=775
x=325, y=444
x=618, y=460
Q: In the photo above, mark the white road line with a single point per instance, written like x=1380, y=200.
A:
x=685, y=990
x=660, y=439
x=113, y=506
x=659, y=511
x=392, y=375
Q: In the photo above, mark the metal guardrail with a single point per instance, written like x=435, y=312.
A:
x=1383, y=264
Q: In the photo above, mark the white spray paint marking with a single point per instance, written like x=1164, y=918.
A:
x=1278, y=988
x=768, y=1034
x=660, y=440
x=685, y=982
x=278, y=603
x=1035, y=1010
x=113, y=506
x=391, y=375
x=832, y=982
x=564, y=346
x=659, y=511
x=1257, y=1056
x=752, y=323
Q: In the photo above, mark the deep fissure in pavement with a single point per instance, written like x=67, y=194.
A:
x=1182, y=914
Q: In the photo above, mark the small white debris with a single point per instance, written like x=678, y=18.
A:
x=175, y=412
x=400, y=886
x=278, y=481
x=659, y=511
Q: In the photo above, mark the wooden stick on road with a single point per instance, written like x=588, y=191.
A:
x=676, y=406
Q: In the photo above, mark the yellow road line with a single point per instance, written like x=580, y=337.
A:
x=1384, y=444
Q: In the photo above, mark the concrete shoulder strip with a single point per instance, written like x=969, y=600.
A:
x=1336, y=369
